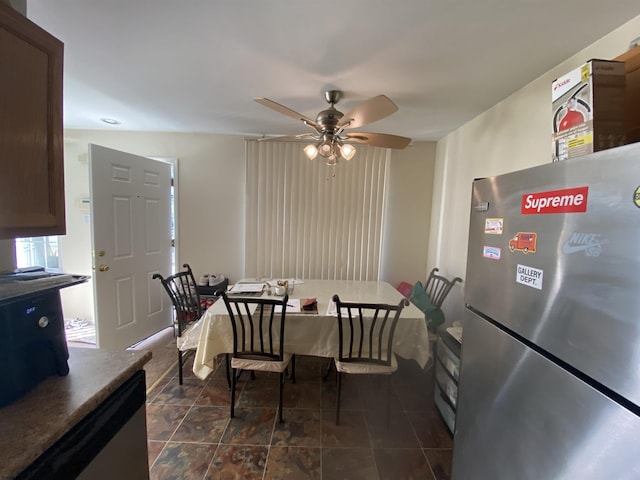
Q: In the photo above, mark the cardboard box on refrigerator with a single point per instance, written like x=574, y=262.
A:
x=588, y=109
x=631, y=59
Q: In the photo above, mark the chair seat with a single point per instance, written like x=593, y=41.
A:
x=367, y=368
x=261, y=365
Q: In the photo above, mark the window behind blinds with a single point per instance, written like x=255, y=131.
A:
x=306, y=219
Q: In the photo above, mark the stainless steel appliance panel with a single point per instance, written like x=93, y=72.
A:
x=522, y=417
x=583, y=307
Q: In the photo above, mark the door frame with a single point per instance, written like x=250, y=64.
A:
x=173, y=161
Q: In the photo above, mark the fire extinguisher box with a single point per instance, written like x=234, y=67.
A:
x=588, y=109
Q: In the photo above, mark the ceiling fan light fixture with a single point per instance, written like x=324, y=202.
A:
x=326, y=148
x=311, y=151
x=347, y=151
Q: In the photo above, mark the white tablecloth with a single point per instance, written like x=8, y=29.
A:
x=311, y=334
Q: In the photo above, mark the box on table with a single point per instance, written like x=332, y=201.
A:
x=588, y=109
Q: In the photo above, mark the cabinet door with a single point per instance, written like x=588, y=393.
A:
x=31, y=148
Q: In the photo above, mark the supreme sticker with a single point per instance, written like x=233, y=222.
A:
x=529, y=276
x=569, y=200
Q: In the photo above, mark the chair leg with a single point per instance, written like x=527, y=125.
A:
x=226, y=364
x=233, y=391
x=388, y=398
x=339, y=385
x=292, y=377
x=280, y=401
x=180, y=367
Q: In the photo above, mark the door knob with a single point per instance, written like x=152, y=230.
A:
x=103, y=267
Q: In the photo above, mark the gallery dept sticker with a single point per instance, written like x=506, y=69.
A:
x=529, y=276
x=524, y=242
x=493, y=226
x=491, y=252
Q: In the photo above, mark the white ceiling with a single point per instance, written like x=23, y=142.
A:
x=196, y=65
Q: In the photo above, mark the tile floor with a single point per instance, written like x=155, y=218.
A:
x=191, y=436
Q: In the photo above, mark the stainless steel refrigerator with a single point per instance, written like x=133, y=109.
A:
x=550, y=369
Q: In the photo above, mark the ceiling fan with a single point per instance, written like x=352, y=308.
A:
x=330, y=138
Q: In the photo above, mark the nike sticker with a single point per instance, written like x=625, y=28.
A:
x=589, y=243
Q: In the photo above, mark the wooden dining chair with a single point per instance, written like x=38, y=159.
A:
x=365, y=336
x=438, y=287
x=183, y=292
x=258, y=338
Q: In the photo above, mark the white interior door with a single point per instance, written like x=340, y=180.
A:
x=131, y=234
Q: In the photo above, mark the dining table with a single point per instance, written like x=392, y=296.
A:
x=312, y=333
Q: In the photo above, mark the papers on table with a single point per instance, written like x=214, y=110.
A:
x=293, y=306
x=247, y=287
x=332, y=310
x=296, y=305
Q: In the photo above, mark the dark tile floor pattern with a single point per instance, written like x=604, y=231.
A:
x=191, y=436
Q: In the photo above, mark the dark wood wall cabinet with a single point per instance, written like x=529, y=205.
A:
x=31, y=142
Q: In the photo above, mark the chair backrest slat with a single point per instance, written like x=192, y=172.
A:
x=372, y=335
x=185, y=298
x=258, y=330
x=271, y=319
x=372, y=331
x=383, y=327
x=438, y=287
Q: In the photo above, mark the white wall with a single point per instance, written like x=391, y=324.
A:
x=408, y=214
x=211, y=178
x=513, y=135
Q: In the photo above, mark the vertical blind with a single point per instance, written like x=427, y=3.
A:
x=305, y=219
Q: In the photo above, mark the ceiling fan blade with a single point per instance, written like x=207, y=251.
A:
x=369, y=111
x=285, y=111
x=302, y=136
x=378, y=139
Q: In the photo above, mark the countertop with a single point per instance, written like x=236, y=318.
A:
x=37, y=420
x=12, y=290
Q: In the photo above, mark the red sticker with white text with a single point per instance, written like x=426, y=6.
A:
x=568, y=200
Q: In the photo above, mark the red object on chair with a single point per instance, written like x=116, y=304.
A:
x=405, y=289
